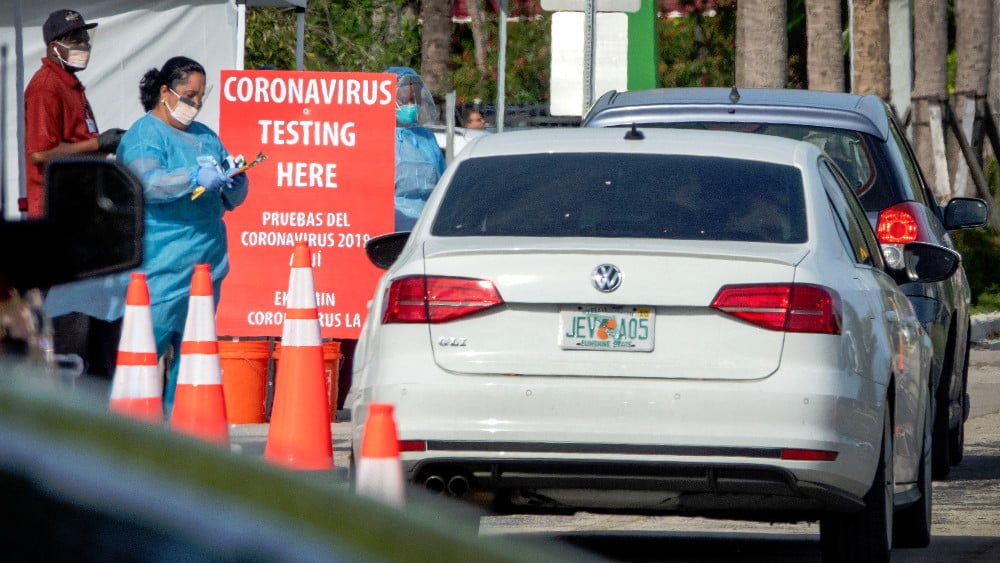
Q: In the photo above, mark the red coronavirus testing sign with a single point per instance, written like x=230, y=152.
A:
x=327, y=179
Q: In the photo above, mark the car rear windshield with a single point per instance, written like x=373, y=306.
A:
x=852, y=151
x=624, y=195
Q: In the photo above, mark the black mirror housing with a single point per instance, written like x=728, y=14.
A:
x=926, y=263
x=965, y=213
x=93, y=225
x=383, y=250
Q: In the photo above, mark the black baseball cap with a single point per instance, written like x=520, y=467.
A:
x=63, y=22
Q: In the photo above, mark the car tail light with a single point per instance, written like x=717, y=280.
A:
x=412, y=446
x=902, y=223
x=437, y=299
x=787, y=307
x=808, y=455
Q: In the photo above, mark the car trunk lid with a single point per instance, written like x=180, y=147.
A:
x=658, y=323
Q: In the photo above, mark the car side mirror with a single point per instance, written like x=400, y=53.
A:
x=927, y=263
x=383, y=250
x=93, y=225
x=965, y=213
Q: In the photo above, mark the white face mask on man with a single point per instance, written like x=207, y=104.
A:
x=77, y=56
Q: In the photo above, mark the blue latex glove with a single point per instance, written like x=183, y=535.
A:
x=211, y=179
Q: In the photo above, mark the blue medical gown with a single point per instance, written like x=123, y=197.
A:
x=179, y=232
x=419, y=165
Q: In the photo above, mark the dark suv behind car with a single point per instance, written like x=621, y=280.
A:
x=863, y=137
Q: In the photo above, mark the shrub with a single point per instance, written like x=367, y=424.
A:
x=980, y=248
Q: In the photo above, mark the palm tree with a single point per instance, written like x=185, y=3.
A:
x=761, y=44
x=480, y=35
x=973, y=45
x=824, y=51
x=930, y=89
x=870, y=48
x=994, y=90
x=435, y=46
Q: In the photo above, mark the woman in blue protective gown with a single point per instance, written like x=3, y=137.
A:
x=419, y=162
x=174, y=155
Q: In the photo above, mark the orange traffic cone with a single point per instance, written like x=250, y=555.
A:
x=380, y=471
x=137, y=386
x=199, y=402
x=299, y=436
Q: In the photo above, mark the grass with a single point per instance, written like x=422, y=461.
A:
x=988, y=301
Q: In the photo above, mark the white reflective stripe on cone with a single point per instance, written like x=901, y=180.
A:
x=381, y=479
x=133, y=382
x=200, y=369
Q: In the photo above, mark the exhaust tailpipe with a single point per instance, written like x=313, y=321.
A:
x=434, y=484
x=458, y=485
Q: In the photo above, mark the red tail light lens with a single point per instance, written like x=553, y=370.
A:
x=412, y=446
x=437, y=299
x=900, y=224
x=787, y=307
x=808, y=455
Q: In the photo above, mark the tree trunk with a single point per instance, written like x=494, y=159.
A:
x=480, y=36
x=994, y=90
x=930, y=89
x=761, y=44
x=435, y=45
x=870, y=48
x=973, y=50
x=824, y=53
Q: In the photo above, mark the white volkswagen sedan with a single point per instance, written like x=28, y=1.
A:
x=656, y=321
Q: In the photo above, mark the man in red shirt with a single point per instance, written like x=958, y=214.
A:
x=60, y=122
x=58, y=118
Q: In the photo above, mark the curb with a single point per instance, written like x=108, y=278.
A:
x=984, y=327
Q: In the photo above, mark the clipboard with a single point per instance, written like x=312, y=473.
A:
x=246, y=166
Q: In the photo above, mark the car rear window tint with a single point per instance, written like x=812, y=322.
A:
x=624, y=195
x=854, y=153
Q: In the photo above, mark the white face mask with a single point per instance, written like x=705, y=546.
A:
x=77, y=56
x=185, y=111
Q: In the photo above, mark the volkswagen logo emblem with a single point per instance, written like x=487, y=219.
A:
x=606, y=278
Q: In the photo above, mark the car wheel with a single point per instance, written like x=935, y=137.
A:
x=941, y=457
x=912, y=526
x=956, y=437
x=865, y=536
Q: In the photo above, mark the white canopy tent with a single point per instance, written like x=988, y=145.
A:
x=132, y=37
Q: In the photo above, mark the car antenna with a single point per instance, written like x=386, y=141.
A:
x=634, y=134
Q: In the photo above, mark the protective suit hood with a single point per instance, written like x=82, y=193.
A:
x=410, y=89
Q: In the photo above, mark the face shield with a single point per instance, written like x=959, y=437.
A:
x=414, y=103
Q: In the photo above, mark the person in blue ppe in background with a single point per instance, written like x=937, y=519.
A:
x=174, y=155
x=419, y=162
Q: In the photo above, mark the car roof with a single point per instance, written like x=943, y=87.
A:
x=726, y=144
x=867, y=113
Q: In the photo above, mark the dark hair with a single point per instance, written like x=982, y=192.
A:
x=174, y=71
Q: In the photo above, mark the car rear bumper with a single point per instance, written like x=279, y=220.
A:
x=716, y=445
x=715, y=489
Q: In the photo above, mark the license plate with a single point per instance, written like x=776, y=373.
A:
x=606, y=327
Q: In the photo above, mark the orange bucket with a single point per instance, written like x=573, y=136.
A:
x=331, y=367
x=244, y=379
